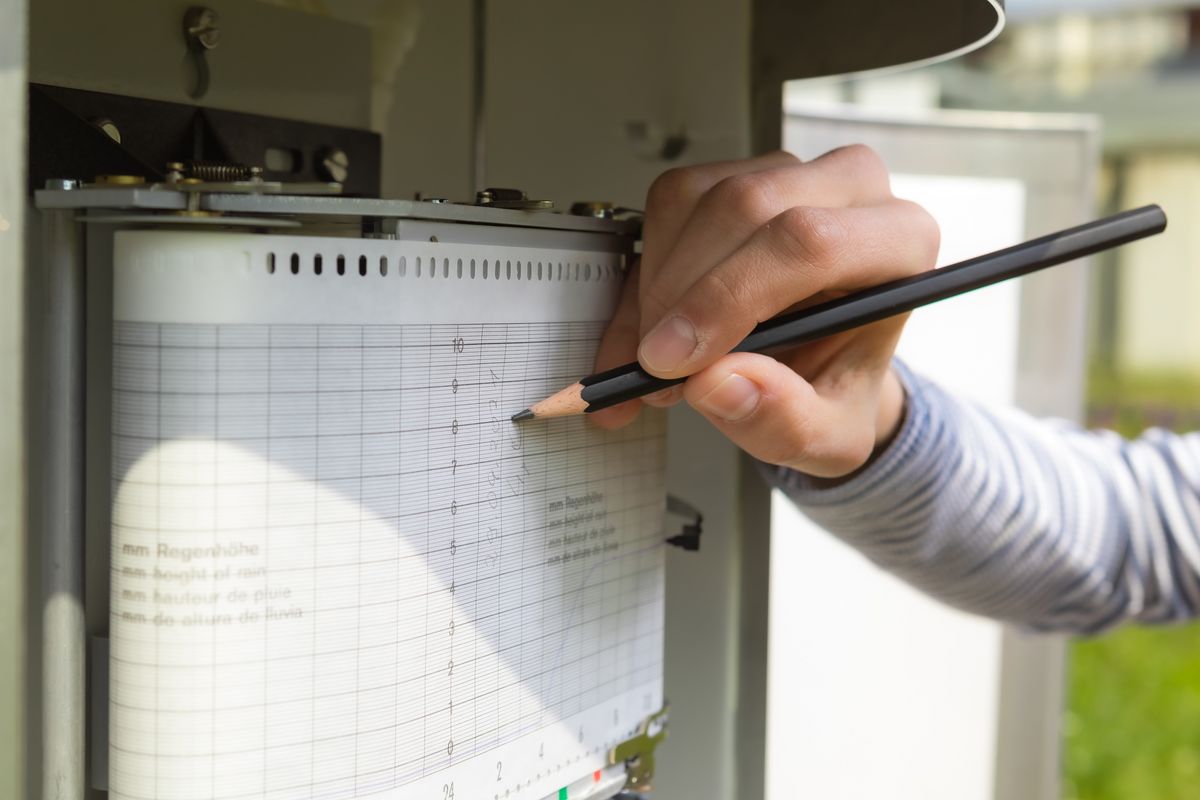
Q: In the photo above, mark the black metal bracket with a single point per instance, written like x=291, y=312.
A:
x=77, y=134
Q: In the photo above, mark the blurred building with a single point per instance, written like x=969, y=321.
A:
x=1136, y=65
x=1138, y=68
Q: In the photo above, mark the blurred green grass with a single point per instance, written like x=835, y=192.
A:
x=1132, y=724
x=1132, y=727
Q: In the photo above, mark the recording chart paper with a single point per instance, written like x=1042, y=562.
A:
x=338, y=570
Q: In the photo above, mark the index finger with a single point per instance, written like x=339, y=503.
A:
x=801, y=252
x=674, y=194
x=737, y=206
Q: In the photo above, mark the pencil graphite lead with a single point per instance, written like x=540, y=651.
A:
x=521, y=416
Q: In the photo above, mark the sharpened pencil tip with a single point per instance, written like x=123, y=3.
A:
x=521, y=416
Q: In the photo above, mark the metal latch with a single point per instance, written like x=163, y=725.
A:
x=637, y=754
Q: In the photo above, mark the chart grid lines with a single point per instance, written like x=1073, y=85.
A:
x=352, y=482
x=267, y=567
x=428, y=577
x=316, y=533
x=358, y=598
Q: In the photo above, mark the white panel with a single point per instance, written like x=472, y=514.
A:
x=969, y=343
x=1055, y=157
x=876, y=690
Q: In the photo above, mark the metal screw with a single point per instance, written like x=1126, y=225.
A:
x=333, y=164
x=200, y=27
x=599, y=209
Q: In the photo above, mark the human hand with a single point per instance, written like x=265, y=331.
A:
x=731, y=244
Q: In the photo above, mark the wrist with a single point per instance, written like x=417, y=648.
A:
x=890, y=412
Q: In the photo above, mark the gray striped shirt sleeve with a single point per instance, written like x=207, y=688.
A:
x=1029, y=521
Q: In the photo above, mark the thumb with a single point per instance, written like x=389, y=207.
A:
x=773, y=414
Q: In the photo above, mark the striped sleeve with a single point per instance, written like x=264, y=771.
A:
x=1028, y=521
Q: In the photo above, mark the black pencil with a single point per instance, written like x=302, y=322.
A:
x=871, y=305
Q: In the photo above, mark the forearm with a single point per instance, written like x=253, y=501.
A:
x=1022, y=520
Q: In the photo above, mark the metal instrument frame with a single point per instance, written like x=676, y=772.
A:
x=78, y=222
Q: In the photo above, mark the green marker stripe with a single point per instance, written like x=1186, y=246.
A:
x=562, y=793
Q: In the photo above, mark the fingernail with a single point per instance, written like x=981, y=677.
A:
x=732, y=399
x=668, y=345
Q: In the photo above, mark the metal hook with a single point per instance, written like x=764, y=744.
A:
x=201, y=33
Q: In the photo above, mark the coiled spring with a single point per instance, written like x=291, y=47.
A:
x=218, y=171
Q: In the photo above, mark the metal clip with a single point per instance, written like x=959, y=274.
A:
x=689, y=537
x=637, y=754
